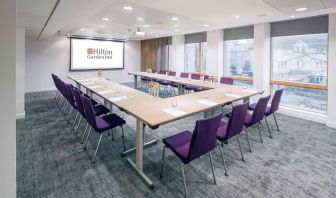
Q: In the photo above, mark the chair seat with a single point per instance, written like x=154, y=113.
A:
x=108, y=122
x=145, y=79
x=179, y=144
x=267, y=111
x=163, y=82
x=198, y=89
x=191, y=87
x=247, y=121
x=100, y=110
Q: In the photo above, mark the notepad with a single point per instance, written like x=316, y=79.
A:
x=250, y=90
x=106, y=92
x=207, y=102
x=88, y=83
x=96, y=87
x=84, y=81
x=174, y=112
x=120, y=98
x=233, y=95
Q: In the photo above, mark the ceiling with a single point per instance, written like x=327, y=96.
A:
x=154, y=17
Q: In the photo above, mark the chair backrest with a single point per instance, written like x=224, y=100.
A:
x=276, y=100
x=206, y=77
x=163, y=72
x=77, y=94
x=70, y=95
x=226, y=80
x=172, y=73
x=259, y=111
x=184, y=75
x=204, y=136
x=89, y=111
x=195, y=76
x=153, y=70
x=236, y=121
x=63, y=89
x=154, y=89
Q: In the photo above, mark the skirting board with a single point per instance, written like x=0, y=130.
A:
x=21, y=115
x=315, y=117
x=331, y=124
x=41, y=90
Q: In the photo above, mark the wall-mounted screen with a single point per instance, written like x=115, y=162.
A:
x=89, y=54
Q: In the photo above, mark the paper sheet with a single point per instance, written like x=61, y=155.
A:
x=106, y=92
x=250, y=91
x=174, y=112
x=233, y=95
x=120, y=98
x=88, y=83
x=207, y=102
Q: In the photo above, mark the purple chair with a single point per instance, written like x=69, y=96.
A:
x=195, y=76
x=226, y=80
x=172, y=73
x=273, y=108
x=184, y=75
x=100, y=124
x=232, y=128
x=256, y=117
x=206, y=77
x=98, y=110
x=191, y=145
x=162, y=72
x=192, y=87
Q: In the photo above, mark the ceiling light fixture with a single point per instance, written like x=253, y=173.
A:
x=140, y=19
x=292, y=16
x=117, y=33
x=237, y=16
x=146, y=25
x=82, y=29
x=102, y=26
x=301, y=9
x=177, y=30
x=105, y=19
x=205, y=25
x=128, y=8
x=174, y=19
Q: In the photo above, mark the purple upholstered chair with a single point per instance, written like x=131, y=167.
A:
x=193, y=87
x=100, y=124
x=273, y=108
x=184, y=75
x=233, y=127
x=256, y=117
x=172, y=73
x=163, y=72
x=226, y=80
x=54, y=77
x=206, y=77
x=191, y=145
x=98, y=110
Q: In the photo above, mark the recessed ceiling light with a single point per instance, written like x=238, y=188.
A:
x=174, y=19
x=237, y=16
x=128, y=8
x=205, y=25
x=146, y=25
x=117, y=33
x=105, y=19
x=301, y=9
x=102, y=26
x=150, y=32
x=82, y=29
x=140, y=19
x=292, y=16
x=177, y=30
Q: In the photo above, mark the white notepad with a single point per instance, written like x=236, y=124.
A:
x=84, y=81
x=207, y=102
x=96, y=87
x=174, y=112
x=87, y=83
x=250, y=90
x=233, y=95
x=106, y=92
x=120, y=98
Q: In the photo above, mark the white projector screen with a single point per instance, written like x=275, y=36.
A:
x=89, y=54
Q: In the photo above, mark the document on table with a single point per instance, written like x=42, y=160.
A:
x=95, y=87
x=233, y=95
x=207, y=102
x=174, y=112
x=106, y=92
x=88, y=83
x=120, y=98
x=250, y=90
x=84, y=81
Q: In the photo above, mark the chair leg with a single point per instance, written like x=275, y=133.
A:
x=269, y=131
x=87, y=138
x=74, y=123
x=222, y=153
x=94, y=156
x=112, y=132
x=241, y=150
x=162, y=163
x=212, y=168
x=248, y=141
x=276, y=123
x=123, y=137
x=260, y=133
x=80, y=119
x=184, y=181
x=82, y=140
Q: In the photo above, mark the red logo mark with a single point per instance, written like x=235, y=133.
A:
x=89, y=50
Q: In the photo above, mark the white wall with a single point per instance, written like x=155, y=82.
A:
x=178, y=54
x=7, y=104
x=331, y=120
x=20, y=72
x=52, y=55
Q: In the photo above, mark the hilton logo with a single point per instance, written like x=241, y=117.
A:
x=93, y=53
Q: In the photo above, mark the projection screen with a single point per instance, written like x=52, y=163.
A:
x=91, y=54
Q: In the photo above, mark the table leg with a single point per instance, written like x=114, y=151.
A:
x=180, y=89
x=138, y=165
x=135, y=81
x=78, y=86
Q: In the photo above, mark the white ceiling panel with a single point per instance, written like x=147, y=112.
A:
x=290, y=6
x=329, y=3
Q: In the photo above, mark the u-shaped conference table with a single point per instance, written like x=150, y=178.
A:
x=153, y=111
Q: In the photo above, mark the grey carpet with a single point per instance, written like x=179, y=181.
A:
x=298, y=162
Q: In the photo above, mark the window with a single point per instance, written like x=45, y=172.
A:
x=195, y=57
x=301, y=59
x=239, y=54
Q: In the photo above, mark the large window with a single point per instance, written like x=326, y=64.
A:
x=299, y=65
x=195, y=57
x=239, y=54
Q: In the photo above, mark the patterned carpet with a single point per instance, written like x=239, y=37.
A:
x=298, y=162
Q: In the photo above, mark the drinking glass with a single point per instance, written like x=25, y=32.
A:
x=173, y=102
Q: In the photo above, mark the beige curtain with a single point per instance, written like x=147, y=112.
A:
x=154, y=54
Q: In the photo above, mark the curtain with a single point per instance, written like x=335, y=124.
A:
x=154, y=54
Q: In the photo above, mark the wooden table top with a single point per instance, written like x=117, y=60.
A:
x=150, y=109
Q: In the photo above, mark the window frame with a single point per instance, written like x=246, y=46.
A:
x=199, y=59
